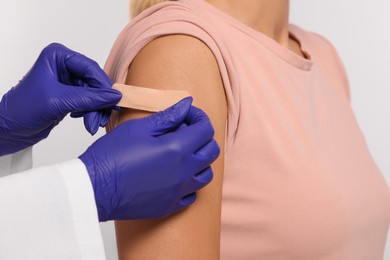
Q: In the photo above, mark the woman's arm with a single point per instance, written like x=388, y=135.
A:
x=182, y=63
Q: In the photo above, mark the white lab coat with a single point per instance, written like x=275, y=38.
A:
x=48, y=212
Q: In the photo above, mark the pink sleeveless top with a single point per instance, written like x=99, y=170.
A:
x=299, y=182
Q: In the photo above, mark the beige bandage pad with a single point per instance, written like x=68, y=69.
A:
x=147, y=99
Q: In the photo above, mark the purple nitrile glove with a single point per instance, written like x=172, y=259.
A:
x=60, y=82
x=152, y=167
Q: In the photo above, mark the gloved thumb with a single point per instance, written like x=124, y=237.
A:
x=169, y=119
x=87, y=99
x=94, y=120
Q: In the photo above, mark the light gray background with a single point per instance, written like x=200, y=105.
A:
x=359, y=30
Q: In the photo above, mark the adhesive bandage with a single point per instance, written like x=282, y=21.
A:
x=147, y=99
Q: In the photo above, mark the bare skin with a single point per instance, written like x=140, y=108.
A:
x=186, y=63
x=183, y=62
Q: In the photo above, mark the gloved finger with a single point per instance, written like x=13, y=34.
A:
x=85, y=99
x=76, y=82
x=106, y=112
x=187, y=200
x=87, y=70
x=77, y=114
x=197, y=134
x=169, y=119
x=181, y=204
x=93, y=120
x=199, y=181
x=196, y=115
x=72, y=68
x=208, y=153
x=183, y=125
x=105, y=117
x=204, y=157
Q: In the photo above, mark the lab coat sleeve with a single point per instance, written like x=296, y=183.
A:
x=16, y=162
x=49, y=213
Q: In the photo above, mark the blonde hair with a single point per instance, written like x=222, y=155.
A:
x=137, y=6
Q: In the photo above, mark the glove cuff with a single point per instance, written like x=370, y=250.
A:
x=90, y=165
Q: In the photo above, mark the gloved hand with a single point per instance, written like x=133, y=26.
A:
x=152, y=167
x=61, y=81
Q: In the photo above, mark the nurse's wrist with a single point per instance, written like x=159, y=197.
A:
x=10, y=142
x=5, y=139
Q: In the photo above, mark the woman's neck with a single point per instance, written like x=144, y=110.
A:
x=266, y=16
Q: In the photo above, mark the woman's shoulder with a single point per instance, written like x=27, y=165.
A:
x=172, y=12
x=323, y=53
x=162, y=20
x=314, y=42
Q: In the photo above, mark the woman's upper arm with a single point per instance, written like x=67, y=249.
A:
x=182, y=63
